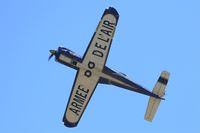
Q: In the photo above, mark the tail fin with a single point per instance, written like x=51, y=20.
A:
x=159, y=90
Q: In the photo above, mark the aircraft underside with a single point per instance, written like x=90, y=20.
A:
x=111, y=77
x=91, y=70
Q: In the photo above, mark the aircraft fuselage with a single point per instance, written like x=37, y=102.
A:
x=108, y=76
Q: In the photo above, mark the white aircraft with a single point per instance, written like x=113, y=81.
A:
x=91, y=70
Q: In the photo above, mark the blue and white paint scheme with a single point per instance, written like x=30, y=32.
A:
x=91, y=70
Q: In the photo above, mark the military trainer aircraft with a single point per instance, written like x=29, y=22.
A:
x=91, y=70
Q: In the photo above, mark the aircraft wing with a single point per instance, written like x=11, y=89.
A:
x=93, y=63
x=100, y=43
x=82, y=90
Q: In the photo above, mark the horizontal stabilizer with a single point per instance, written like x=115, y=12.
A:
x=159, y=90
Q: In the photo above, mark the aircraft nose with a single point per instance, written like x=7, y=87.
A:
x=52, y=51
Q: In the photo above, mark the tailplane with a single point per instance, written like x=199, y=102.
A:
x=159, y=90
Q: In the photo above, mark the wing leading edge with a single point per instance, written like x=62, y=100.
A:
x=93, y=62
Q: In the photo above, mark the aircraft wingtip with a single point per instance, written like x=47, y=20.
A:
x=69, y=124
x=112, y=10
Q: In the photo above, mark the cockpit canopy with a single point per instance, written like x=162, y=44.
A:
x=63, y=49
x=67, y=52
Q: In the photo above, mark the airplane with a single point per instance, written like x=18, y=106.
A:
x=91, y=70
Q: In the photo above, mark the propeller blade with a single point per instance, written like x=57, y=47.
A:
x=53, y=52
x=50, y=56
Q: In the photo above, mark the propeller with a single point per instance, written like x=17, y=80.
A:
x=53, y=52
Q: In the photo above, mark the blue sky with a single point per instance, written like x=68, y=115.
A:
x=151, y=36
